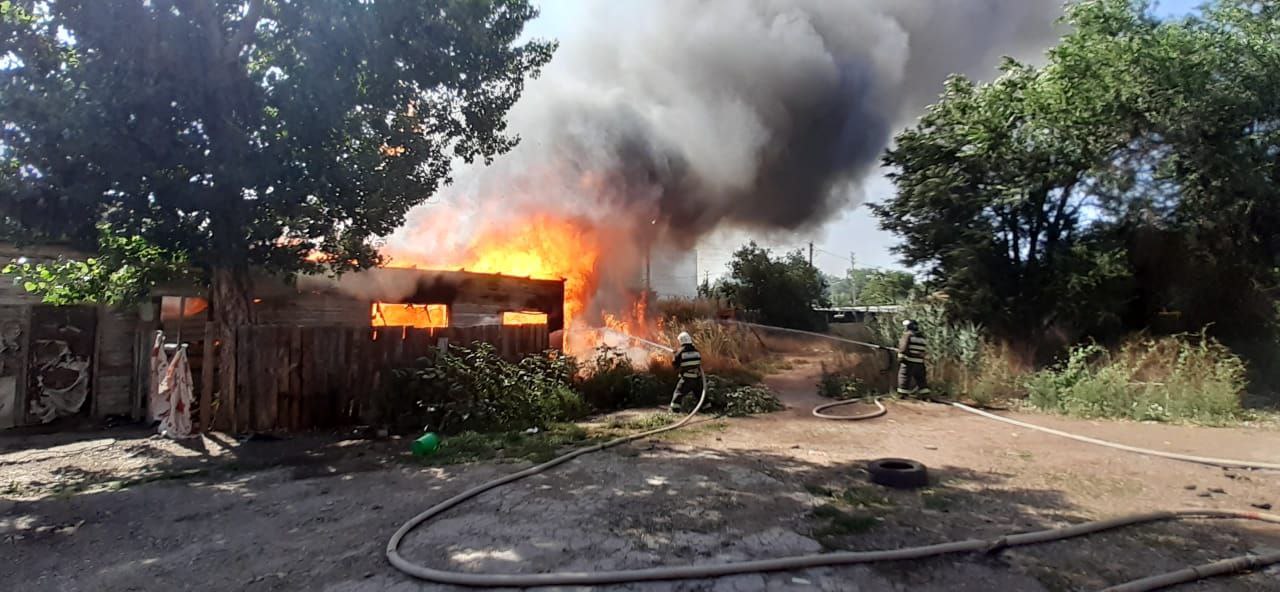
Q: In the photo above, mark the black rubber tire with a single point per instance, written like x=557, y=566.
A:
x=898, y=473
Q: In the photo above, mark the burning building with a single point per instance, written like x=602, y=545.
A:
x=421, y=298
x=85, y=362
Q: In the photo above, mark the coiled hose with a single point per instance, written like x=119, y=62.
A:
x=481, y=580
x=820, y=410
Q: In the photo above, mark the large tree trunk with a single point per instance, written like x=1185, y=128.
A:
x=230, y=304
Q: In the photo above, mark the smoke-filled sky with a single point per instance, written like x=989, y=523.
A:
x=722, y=120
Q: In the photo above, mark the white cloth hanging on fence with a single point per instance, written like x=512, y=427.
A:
x=177, y=389
x=157, y=406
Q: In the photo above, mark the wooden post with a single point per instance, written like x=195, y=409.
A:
x=95, y=379
x=182, y=317
x=235, y=378
x=282, y=372
x=208, y=366
x=307, y=393
x=295, y=378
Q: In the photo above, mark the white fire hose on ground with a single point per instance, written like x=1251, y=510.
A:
x=484, y=580
x=1216, y=462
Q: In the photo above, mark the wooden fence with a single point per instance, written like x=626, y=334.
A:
x=300, y=378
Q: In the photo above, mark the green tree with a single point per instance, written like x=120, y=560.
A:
x=249, y=134
x=120, y=274
x=782, y=290
x=1136, y=172
x=1195, y=188
x=990, y=197
x=841, y=291
x=884, y=287
x=870, y=287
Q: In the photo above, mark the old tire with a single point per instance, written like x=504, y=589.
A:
x=898, y=473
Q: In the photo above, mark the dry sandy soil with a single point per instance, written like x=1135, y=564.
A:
x=118, y=510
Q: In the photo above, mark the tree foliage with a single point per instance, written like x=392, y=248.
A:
x=871, y=287
x=782, y=290
x=1137, y=172
x=120, y=274
x=249, y=133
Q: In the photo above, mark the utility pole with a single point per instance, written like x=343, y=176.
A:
x=810, y=254
x=853, y=286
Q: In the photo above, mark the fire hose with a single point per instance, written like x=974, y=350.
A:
x=1216, y=462
x=483, y=580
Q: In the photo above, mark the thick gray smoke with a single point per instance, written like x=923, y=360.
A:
x=762, y=114
x=667, y=120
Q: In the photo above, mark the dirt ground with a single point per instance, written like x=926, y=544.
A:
x=120, y=510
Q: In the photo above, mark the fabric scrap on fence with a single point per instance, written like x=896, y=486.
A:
x=177, y=389
x=157, y=406
x=61, y=380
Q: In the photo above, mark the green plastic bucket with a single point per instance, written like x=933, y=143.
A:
x=425, y=445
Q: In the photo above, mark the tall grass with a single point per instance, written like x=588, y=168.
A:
x=687, y=310
x=1180, y=378
x=956, y=349
x=999, y=376
x=724, y=347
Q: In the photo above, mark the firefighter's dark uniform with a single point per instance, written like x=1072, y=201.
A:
x=911, y=372
x=688, y=364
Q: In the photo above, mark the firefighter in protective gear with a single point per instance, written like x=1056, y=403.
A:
x=911, y=371
x=688, y=365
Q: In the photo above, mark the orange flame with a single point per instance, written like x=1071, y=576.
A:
x=539, y=247
x=421, y=316
x=635, y=324
x=524, y=318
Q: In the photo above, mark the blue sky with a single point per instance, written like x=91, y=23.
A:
x=853, y=232
x=1177, y=7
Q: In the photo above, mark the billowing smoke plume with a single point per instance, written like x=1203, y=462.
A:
x=684, y=116
x=756, y=113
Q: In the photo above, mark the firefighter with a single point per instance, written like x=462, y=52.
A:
x=911, y=371
x=688, y=365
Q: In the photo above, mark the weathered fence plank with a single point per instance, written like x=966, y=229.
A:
x=301, y=378
x=244, y=373
x=295, y=379
x=208, y=365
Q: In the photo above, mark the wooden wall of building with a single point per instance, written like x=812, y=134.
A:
x=473, y=298
x=123, y=337
x=113, y=358
x=114, y=369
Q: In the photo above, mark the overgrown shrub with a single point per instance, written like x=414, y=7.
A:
x=1181, y=378
x=474, y=389
x=606, y=382
x=860, y=373
x=612, y=382
x=843, y=382
x=725, y=397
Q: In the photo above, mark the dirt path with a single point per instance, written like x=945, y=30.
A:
x=314, y=513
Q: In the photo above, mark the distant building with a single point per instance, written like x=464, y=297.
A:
x=856, y=314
